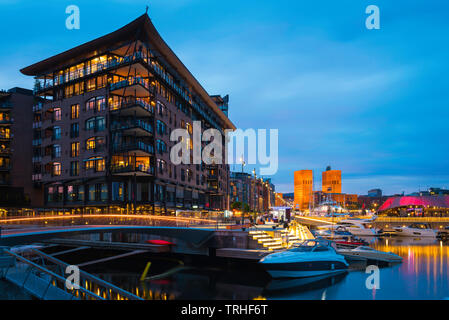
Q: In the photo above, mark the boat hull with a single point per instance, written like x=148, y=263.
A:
x=415, y=233
x=304, y=269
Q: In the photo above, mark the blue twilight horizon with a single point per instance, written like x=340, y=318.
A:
x=372, y=103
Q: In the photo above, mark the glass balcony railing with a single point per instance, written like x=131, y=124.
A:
x=129, y=103
x=120, y=168
x=129, y=82
x=6, y=105
x=4, y=136
x=89, y=70
x=132, y=124
x=137, y=146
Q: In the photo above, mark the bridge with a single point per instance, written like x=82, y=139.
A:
x=14, y=237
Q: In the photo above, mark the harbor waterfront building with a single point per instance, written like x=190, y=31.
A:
x=331, y=181
x=303, y=184
x=16, y=136
x=258, y=193
x=109, y=107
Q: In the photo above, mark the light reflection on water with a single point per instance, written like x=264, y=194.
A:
x=423, y=274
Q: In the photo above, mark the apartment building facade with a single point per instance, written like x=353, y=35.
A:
x=110, y=107
x=16, y=118
x=258, y=193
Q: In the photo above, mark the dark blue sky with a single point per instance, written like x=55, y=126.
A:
x=373, y=103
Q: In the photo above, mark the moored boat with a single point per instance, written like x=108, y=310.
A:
x=306, y=259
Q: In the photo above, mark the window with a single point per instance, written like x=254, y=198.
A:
x=74, y=130
x=100, y=103
x=161, y=165
x=161, y=146
x=57, y=115
x=160, y=109
x=90, y=104
x=117, y=191
x=56, y=169
x=74, y=168
x=95, y=143
x=4, y=133
x=183, y=176
x=90, y=144
x=100, y=165
x=56, y=151
x=161, y=127
x=90, y=85
x=56, y=133
x=96, y=124
x=90, y=124
x=101, y=124
x=75, y=149
x=102, y=81
x=96, y=103
x=189, y=128
x=75, y=111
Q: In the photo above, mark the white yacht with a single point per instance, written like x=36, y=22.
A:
x=306, y=259
x=355, y=227
x=416, y=230
x=358, y=227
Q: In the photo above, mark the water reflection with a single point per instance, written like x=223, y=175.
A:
x=423, y=274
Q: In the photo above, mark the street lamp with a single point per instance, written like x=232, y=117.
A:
x=243, y=163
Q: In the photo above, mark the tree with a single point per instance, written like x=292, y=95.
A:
x=236, y=205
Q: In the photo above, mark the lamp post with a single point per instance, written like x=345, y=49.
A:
x=243, y=163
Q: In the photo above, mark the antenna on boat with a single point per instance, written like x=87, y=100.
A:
x=146, y=11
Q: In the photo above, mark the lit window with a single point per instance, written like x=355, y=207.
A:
x=56, y=169
x=57, y=116
x=90, y=144
x=75, y=111
x=75, y=150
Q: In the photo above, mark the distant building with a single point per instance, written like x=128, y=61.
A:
x=303, y=182
x=344, y=200
x=410, y=206
x=16, y=136
x=438, y=191
x=375, y=193
x=279, y=200
x=258, y=193
x=331, y=181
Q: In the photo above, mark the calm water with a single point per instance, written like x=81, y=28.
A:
x=423, y=274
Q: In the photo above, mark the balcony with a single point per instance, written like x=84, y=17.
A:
x=136, y=127
x=37, y=125
x=6, y=122
x=138, y=148
x=6, y=105
x=5, y=136
x=138, y=170
x=132, y=107
x=130, y=64
x=5, y=151
x=5, y=167
x=120, y=66
x=37, y=107
x=136, y=86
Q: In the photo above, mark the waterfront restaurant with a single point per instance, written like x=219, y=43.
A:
x=416, y=206
x=109, y=108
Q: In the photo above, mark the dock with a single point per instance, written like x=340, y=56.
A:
x=245, y=254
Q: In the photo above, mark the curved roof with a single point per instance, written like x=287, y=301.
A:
x=425, y=201
x=149, y=33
